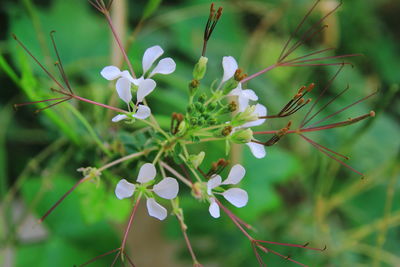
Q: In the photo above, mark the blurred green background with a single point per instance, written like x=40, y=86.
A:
x=297, y=194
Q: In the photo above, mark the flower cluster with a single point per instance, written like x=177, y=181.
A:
x=226, y=112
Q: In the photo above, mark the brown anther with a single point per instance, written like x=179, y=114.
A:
x=306, y=244
x=301, y=90
x=219, y=13
x=194, y=84
x=232, y=106
x=310, y=87
x=298, y=95
x=372, y=113
x=226, y=131
x=179, y=117
x=239, y=75
x=212, y=11
x=308, y=101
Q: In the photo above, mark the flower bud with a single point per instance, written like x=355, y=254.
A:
x=212, y=106
x=242, y=136
x=202, y=98
x=181, y=128
x=229, y=86
x=196, y=160
x=193, y=85
x=247, y=115
x=200, y=68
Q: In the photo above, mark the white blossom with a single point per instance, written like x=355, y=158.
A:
x=244, y=96
x=145, y=85
x=167, y=188
x=236, y=196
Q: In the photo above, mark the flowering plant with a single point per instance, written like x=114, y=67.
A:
x=224, y=111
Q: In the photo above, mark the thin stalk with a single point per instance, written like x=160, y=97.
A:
x=130, y=223
x=177, y=174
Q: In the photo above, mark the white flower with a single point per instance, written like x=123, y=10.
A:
x=236, y=196
x=244, y=96
x=167, y=188
x=142, y=112
x=145, y=85
x=258, y=150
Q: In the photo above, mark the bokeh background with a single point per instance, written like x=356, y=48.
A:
x=297, y=194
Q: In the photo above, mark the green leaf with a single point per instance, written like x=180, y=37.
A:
x=150, y=8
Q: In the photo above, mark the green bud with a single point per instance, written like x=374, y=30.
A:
x=242, y=136
x=193, y=85
x=212, y=121
x=196, y=160
x=229, y=86
x=212, y=106
x=202, y=98
x=247, y=115
x=200, y=68
x=181, y=128
x=201, y=122
x=193, y=121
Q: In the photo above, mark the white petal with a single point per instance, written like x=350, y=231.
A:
x=151, y=55
x=214, y=209
x=238, y=197
x=110, y=73
x=155, y=209
x=230, y=66
x=146, y=173
x=214, y=182
x=137, y=81
x=119, y=117
x=248, y=93
x=145, y=88
x=235, y=175
x=143, y=112
x=243, y=103
x=260, y=111
x=168, y=188
x=258, y=150
x=237, y=91
x=124, y=90
x=124, y=189
x=125, y=74
x=165, y=66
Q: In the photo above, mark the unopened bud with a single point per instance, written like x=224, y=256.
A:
x=229, y=86
x=242, y=136
x=193, y=85
x=200, y=68
x=196, y=160
x=247, y=115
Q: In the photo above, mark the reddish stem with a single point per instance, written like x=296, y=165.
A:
x=130, y=224
x=107, y=15
x=62, y=198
